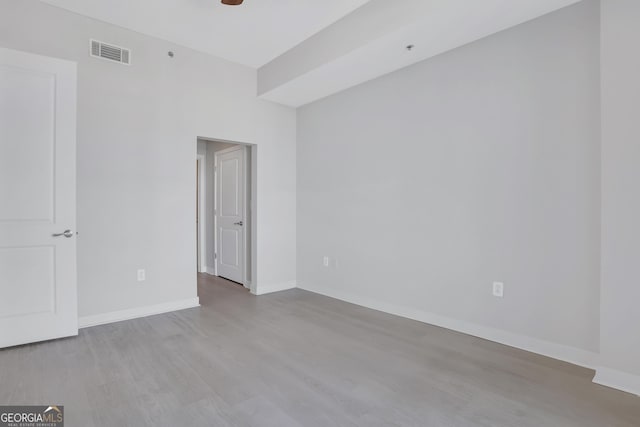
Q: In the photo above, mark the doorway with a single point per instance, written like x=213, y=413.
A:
x=226, y=214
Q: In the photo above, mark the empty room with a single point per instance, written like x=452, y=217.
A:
x=319, y=213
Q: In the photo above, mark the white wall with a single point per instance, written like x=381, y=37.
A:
x=479, y=165
x=202, y=148
x=137, y=130
x=620, y=192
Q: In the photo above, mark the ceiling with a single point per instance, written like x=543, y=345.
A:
x=372, y=41
x=251, y=34
x=305, y=50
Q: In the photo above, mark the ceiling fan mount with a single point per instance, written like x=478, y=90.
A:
x=232, y=2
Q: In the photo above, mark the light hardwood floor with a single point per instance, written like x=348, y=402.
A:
x=300, y=359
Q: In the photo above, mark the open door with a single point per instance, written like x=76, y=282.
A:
x=38, y=295
x=230, y=214
x=198, y=243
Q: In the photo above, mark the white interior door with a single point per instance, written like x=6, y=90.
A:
x=38, y=295
x=198, y=190
x=230, y=214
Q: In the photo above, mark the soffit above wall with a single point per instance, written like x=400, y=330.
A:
x=372, y=41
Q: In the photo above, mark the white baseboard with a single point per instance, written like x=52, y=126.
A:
x=134, y=313
x=619, y=380
x=276, y=287
x=208, y=270
x=556, y=351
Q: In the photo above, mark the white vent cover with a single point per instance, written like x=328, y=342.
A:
x=109, y=52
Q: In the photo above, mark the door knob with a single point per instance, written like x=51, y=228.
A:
x=239, y=223
x=67, y=233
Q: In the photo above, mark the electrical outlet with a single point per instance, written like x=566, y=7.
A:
x=142, y=275
x=498, y=289
x=325, y=261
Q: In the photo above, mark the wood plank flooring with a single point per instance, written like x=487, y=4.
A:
x=300, y=359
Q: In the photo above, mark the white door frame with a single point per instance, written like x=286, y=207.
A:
x=245, y=211
x=202, y=220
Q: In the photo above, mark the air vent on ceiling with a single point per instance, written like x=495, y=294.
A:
x=110, y=52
